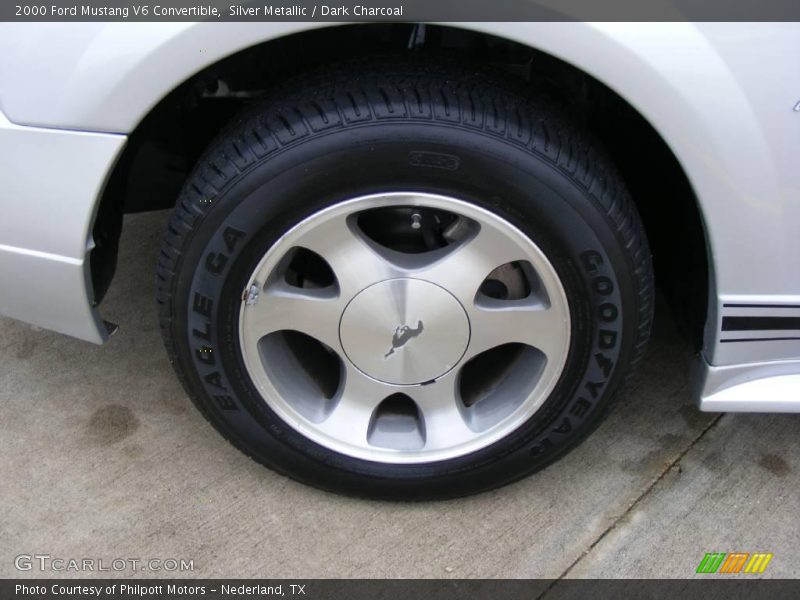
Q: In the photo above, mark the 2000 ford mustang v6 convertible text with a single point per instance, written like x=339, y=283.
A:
x=414, y=260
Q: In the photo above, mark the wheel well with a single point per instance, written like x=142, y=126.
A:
x=163, y=148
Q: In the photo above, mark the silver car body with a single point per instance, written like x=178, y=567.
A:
x=723, y=96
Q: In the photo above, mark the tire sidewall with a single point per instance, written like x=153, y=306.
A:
x=252, y=210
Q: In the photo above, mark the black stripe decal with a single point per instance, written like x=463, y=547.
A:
x=761, y=305
x=779, y=339
x=759, y=323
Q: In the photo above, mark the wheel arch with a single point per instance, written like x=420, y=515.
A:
x=606, y=88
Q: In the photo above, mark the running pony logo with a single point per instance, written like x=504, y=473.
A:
x=402, y=334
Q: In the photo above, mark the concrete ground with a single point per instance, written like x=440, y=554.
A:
x=103, y=456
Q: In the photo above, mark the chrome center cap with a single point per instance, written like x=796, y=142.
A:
x=404, y=331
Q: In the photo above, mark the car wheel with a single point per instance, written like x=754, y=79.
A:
x=404, y=281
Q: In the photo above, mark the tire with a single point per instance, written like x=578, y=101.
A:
x=425, y=160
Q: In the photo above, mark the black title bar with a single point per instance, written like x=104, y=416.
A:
x=706, y=587
x=432, y=11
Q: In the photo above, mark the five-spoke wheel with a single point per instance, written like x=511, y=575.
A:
x=404, y=327
x=404, y=281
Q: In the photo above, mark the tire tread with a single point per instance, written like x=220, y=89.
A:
x=368, y=91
